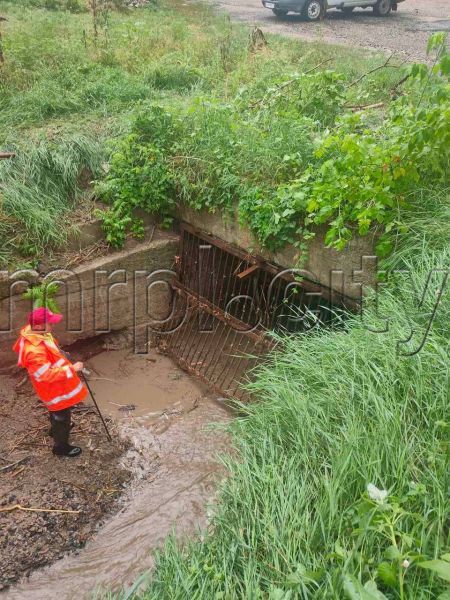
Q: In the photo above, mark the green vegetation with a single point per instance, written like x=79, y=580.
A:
x=67, y=75
x=289, y=156
x=186, y=108
x=38, y=187
x=43, y=295
x=338, y=411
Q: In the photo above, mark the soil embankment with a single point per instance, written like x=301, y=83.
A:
x=89, y=486
x=159, y=478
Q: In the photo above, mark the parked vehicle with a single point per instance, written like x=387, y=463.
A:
x=314, y=10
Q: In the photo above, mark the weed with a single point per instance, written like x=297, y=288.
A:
x=43, y=295
x=39, y=187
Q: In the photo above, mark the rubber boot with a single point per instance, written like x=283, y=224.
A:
x=60, y=432
x=50, y=431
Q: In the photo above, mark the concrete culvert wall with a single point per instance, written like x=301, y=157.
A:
x=130, y=288
x=347, y=272
x=126, y=289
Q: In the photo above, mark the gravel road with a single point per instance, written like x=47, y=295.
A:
x=405, y=31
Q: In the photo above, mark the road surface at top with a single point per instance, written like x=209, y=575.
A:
x=405, y=32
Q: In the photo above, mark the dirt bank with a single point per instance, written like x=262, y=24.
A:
x=169, y=470
x=89, y=485
x=405, y=32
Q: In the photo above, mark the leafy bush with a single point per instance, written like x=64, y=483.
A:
x=139, y=176
x=366, y=173
x=259, y=156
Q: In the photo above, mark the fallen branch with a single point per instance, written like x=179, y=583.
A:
x=17, y=472
x=83, y=489
x=399, y=83
x=46, y=510
x=103, y=379
x=290, y=82
x=5, y=468
x=359, y=107
x=22, y=382
x=195, y=404
x=383, y=66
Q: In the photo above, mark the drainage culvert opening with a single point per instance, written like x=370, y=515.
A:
x=227, y=305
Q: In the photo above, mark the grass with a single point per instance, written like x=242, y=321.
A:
x=337, y=410
x=59, y=80
x=39, y=186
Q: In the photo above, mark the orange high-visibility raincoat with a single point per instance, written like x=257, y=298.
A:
x=53, y=377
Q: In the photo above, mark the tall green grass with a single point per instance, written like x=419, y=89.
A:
x=39, y=188
x=337, y=411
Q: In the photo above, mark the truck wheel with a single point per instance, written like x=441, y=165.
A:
x=382, y=8
x=314, y=10
x=279, y=13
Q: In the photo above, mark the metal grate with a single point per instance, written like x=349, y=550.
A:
x=227, y=302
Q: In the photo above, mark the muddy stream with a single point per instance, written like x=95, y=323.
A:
x=173, y=456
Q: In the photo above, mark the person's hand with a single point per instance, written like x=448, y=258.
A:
x=78, y=366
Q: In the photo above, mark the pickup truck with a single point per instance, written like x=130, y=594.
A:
x=314, y=10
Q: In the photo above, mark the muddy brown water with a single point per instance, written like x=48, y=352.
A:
x=174, y=456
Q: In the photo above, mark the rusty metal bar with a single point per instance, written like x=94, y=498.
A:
x=309, y=285
x=236, y=324
x=231, y=302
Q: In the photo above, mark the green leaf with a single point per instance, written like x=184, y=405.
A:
x=392, y=553
x=339, y=550
x=388, y=574
x=445, y=595
x=440, y=567
x=354, y=590
x=446, y=557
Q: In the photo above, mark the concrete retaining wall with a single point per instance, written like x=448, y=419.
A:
x=126, y=289
x=347, y=272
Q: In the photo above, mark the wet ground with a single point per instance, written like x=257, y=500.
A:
x=405, y=32
x=162, y=417
x=33, y=478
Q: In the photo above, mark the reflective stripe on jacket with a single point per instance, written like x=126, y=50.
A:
x=52, y=375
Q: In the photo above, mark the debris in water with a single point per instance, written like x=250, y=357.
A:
x=127, y=407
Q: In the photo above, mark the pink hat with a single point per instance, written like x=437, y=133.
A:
x=41, y=316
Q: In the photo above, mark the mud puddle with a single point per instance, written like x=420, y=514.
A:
x=173, y=456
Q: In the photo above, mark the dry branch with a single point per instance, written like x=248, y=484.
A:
x=2, y=56
x=46, y=510
x=399, y=83
x=359, y=107
x=17, y=472
x=14, y=464
x=385, y=65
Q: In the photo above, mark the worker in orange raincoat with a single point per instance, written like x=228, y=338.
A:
x=54, y=378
